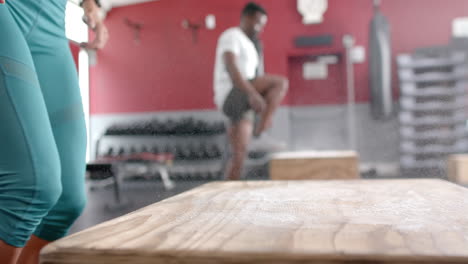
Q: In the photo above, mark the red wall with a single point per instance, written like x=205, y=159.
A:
x=314, y=92
x=167, y=71
x=75, y=51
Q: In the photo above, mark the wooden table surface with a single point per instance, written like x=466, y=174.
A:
x=357, y=221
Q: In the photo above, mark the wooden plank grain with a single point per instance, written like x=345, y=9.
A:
x=353, y=221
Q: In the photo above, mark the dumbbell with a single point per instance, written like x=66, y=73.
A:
x=198, y=127
x=217, y=153
x=112, y=130
x=212, y=152
x=155, y=150
x=124, y=130
x=110, y=152
x=121, y=151
x=197, y=175
x=153, y=127
x=217, y=175
x=186, y=175
x=187, y=153
x=147, y=129
x=195, y=152
x=169, y=127
x=203, y=151
x=133, y=150
x=144, y=149
x=179, y=154
x=219, y=128
x=138, y=129
x=191, y=124
x=206, y=175
x=176, y=175
x=179, y=127
x=168, y=149
x=206, y=128
x=185, y=126
x=116, y=130
x=130, y=130
x=198, y=151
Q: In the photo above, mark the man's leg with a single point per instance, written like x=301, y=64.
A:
x=239, y=133
x=273, y=88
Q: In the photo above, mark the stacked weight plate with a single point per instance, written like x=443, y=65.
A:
x=433, y=110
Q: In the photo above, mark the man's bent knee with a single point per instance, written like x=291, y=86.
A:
x=283, y=83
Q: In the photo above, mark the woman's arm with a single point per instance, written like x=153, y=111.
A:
x=91, y=9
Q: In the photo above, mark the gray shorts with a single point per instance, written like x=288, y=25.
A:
x=237, y=107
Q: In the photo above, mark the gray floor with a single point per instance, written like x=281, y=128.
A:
x=136, y=194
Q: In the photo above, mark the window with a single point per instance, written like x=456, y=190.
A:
x=77, y=31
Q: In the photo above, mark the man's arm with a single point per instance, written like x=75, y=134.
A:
x=255, y=99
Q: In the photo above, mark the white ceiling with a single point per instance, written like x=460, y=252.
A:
x=115, y=3
x=109, y=4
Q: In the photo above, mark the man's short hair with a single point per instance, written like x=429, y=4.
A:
x=252, y=8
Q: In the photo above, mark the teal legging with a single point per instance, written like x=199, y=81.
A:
x=42, y=127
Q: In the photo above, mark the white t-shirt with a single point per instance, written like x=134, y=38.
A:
x=235, y=41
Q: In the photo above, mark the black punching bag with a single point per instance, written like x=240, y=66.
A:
x=380, y=64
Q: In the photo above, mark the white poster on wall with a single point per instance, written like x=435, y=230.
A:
x=315, y=71
x=460, y=27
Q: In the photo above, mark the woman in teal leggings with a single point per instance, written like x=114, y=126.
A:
x=42, y=127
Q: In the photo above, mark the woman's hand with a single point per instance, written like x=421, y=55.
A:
x=95, y=22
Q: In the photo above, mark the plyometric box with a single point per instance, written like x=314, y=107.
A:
x=457, y=170
x=315, y=165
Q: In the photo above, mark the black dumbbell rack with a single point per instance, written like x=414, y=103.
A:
x=198, y=147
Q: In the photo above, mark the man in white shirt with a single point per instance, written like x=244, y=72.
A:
x=241, y=88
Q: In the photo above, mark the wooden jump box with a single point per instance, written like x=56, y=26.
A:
x=284, y=222
x=315, y=165
x=457, y=170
